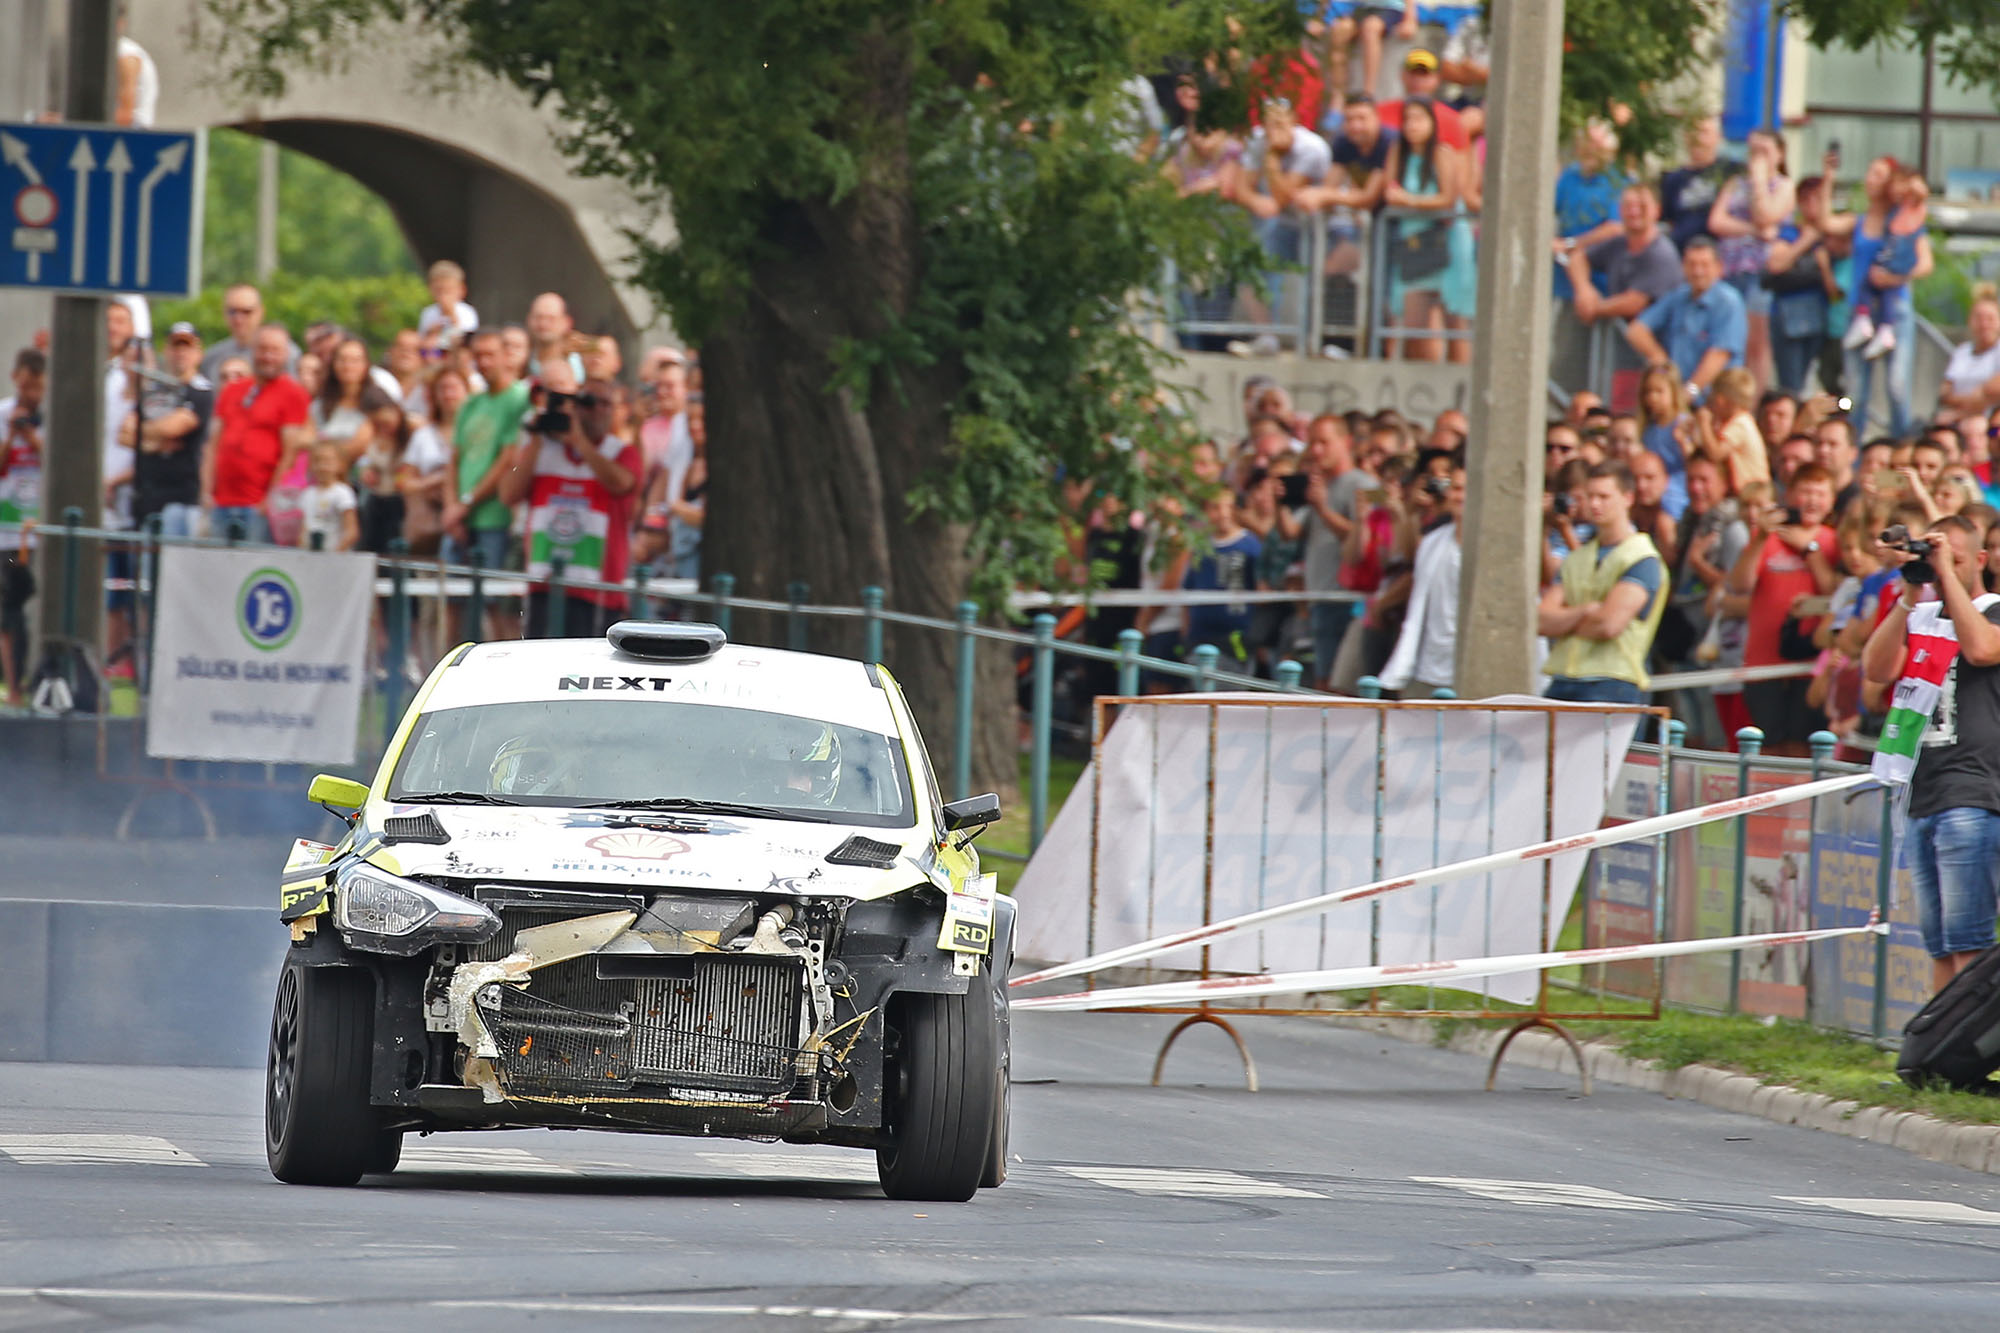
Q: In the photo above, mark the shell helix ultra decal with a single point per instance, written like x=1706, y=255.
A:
x=968, y=916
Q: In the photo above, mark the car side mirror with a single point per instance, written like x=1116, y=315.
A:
x=974, y=812
x=338, y=794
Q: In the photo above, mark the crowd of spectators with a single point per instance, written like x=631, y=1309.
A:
x=509, y=444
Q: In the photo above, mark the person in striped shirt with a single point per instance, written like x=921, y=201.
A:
x=1940, y=645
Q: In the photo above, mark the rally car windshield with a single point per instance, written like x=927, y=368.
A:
x=574, y=752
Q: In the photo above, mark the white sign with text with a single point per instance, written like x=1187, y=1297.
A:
x=259, y=655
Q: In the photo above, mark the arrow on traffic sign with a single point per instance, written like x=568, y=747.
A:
x=117, y=165
x=82, y=162
x=15, y=154
x=166, y=164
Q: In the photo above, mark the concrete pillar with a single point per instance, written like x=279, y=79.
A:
x=267, y=210
x=1503, y=534
x=74, y=471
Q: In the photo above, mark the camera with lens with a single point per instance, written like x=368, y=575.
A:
x=1919, y=571
x=1561, y=504
x=553, y=419
x=1438, y=486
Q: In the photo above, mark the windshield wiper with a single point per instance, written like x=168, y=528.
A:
x=696, y=806
x=452, y=798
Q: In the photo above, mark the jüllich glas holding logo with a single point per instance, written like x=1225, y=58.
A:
x=267, y=609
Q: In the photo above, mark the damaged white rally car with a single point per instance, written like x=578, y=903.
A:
x=657, y=883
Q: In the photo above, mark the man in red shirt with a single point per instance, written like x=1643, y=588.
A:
x=1794, y=555
x=1420, y=79
x=263, y=424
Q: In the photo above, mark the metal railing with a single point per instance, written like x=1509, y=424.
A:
x=1326, y=307
x=1384, y=326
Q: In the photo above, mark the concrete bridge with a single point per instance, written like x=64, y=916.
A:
x=469, y=167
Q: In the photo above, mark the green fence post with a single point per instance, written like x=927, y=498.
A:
x=796, y=593
x=640, y=573
x=149, y=600
x=1672, y=732
x=1044, y=709
x=1289, y=674
x=1130, y=641
x=961, y=738
x=1205, y=658
x=475, y=608
x=1749, y=743
x=1885, y=878
x=397, y=652
x=1370, y=687
x=720, y=589
x=871, y=624
x=1444, y=692
x=556, y=623
x=72, y=557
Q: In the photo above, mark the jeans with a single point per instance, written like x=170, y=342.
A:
x=179, y=520
x=1284, y=240
x=1593, y=690
x=1900, y=363
x=491, y=543
x=1954, y=859
x=1329, y=626
x=255, y=528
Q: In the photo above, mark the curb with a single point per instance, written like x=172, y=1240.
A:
x=1974, y=1147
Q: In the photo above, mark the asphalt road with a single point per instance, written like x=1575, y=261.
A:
x=1371, y=1185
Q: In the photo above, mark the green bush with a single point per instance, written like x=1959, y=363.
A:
x=374, y=307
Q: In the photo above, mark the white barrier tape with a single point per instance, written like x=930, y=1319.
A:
x=1604, y=837
x=1470, y=969
x=1696, y=680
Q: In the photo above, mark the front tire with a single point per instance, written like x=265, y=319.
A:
x=318, y=1126
x=941, y=1135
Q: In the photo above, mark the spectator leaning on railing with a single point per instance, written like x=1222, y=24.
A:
x=1601, y=611
x=1941, y=649
x=1638, y=267
x=1699, y=326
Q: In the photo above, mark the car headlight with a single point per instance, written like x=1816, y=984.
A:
x=386, y=913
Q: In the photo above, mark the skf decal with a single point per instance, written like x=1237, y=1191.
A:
x=637, y=846
x=653, y=683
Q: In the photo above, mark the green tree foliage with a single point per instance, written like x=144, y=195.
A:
x=1633, y=61
x=1964, y=32
x=329, y=224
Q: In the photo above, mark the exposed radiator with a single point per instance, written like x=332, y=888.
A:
x=732, y=1027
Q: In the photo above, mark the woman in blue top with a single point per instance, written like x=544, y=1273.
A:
x=1432, y=279
x=1665, y=428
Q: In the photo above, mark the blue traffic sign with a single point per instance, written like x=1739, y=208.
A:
x=99, y=209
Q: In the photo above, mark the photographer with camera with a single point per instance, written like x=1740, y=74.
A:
x=1940, y=646
x=578, y=480
x=1601, y=611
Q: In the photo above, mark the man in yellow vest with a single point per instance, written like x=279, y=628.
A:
x=1600, y=613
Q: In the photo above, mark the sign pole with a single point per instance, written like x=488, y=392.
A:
x=73, y=471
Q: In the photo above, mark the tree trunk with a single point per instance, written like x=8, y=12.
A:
x=808, y=485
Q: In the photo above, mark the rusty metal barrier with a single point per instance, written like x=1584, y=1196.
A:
x=1396, y=752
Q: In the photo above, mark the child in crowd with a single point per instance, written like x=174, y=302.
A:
x=1231, y=566
x=447, y=320
x=1872, y=328
x=328, y=505
x=1726, y=430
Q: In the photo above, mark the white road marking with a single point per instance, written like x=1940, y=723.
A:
x=859, y=1167
x=1908, y=1210
x=95, y=1150
x=1547, y=1194
x=1186, y=1181
x=470, y=1158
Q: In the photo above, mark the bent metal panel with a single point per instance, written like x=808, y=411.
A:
x=260, y=655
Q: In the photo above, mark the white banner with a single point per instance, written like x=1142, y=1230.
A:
x=259, y=654
x=1294, y=817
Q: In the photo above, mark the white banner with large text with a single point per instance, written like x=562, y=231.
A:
x=259, y=655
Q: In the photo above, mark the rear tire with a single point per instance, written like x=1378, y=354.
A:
x=318, y=1126
x=941, y=1133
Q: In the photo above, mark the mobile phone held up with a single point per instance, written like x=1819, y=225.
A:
x=1292, y=490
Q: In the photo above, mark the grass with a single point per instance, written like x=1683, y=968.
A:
x=1010, y=834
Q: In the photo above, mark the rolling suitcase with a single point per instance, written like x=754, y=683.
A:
x=1955, y=1038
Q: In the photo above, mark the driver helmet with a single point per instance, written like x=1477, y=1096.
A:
x=522, y=766
x=809, y=755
